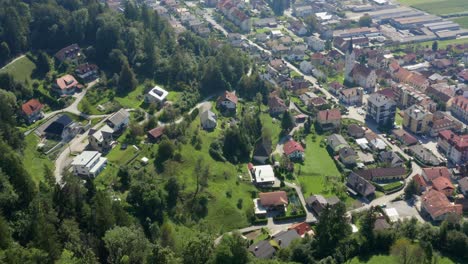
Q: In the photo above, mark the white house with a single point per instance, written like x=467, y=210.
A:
x=263, y=174
x=208, y=120
x=228, y=101
x=88, y=163
x=156, y=95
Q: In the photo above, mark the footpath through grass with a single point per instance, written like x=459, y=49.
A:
x=21, y=69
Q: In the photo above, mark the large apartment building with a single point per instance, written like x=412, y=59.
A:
x=381, y=109
x=454, y=146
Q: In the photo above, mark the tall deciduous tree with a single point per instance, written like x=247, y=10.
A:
x=127, y=245
x=127, y=79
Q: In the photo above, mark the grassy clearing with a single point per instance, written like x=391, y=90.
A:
x=272, y=125
x=379, y=259
x=134, y=99
x=398, y=118
x=317, y=165
x=438, y=7
x=463, y=21
x=33, y=160
x=21, y=69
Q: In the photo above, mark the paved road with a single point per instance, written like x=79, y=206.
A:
x=77, y=144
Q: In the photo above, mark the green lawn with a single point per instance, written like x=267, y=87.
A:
x=381, y=259
x=21, y=69
x=33, y=160
x=133, y=99
x=317, y=165
x=463, y=21
x=273, y=125
x=438, y=7
x=398, y=118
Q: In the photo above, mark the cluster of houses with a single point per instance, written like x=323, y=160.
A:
x=65, y=85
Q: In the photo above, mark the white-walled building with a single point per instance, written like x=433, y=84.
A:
x=88, y=163
x=156, y=95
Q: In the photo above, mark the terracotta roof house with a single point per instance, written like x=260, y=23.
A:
x=463, y=186
x=459, y=108
x=293, y=150
x=69, y=53
x=360, y=186
x=263, y=249
x=454, y=146
x=301, y=228
x=383, y=174
x=421, y=182
x=430, y=174
x=227, y=101
x=351, y=96
x=443, y=185
x=317, y=102
x=436, y=205
x=404, y=137
x=317, y=202
x=329, y=119
x=274, y=200
x=444, y=123
x=32, y=110
x=155, y=134
x=335, y=87
x=66, y=85
x=355, y=131
x=276, y=105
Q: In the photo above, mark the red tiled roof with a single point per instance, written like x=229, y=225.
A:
x=31, y=106
x=461, y=102
x=388, y=92
x=317, y=101
x=67, y=81
x=329, y=115
x=420, y=180
x=460, y=142
x=275, y=101
x=273, y=198
x=292, y=146
x=301, y=228
x=435, y=172
x=156, y=132
x=442, y=183
x=437, y=204
x=230, y=96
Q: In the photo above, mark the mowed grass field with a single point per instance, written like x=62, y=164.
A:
x=438, y=7
x=317, y=165
x=381, y=259
x=463, y=21
x=21, y=69
x=33, y=160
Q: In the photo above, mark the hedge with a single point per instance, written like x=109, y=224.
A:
x=392, y=186
x=260, y=221
x=288, y=217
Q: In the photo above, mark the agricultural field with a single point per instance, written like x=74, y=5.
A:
x=463, y=21
x=438, y=7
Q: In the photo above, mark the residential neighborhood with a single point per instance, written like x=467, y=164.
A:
x=226, y=131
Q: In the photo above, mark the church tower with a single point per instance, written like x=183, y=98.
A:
x=349, y=61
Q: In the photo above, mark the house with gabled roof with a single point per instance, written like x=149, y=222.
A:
x=293, y=150
x=208, y=120
x=70, y=53
x=276, y=105
x=360, y=186
x=443, y=185
x=101, y=139
x=436, y=205
x=119, y=120
x=227, y=101
x=262, y=151
x=336, y=142
x=329, y=119
x=32, y=110
x=66, y=85
x=432, y=173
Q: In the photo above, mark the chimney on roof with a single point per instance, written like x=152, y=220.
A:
x=279, y=241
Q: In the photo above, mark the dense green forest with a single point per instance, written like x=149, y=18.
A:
x=78, y=223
